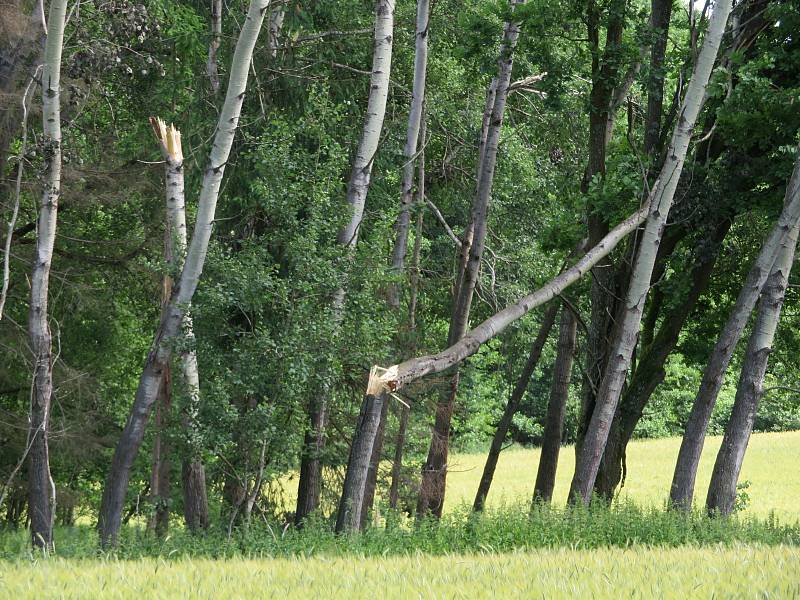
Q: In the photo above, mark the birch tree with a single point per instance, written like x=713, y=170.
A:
x=722, y=489
x=358, y=185
x=627, y=332
x=683, y=480
x=170, y=327
x=42, y=491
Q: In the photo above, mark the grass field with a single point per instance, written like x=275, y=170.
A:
x=770, y=466
x=716, y=572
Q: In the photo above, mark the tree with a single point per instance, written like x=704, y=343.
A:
x=310, y=483
x=683, y=480
x=42, y=491
x=131, y=439
x=627, y=329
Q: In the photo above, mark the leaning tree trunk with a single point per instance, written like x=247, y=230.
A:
x=434, y=472
x=160, y=480
x=309, y=486
x=41, y=499
x=556, y=408
x=649, y=372
x=512, y=406
x=722, y=489
x=627, y=330
x=170, y=327
x=683, y=480
x=384, y=381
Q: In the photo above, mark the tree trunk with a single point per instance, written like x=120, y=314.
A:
x=371, y=484
x=352, y=500
x=682, y=490
x=722, y=489
x=276, y=18
x=213, y=47
x=512, y=406
x=357, y=188
x=649, y=372
x=150, y=381
x=160, y=476
x=410, y=149
x=556, y=408
x=661, y=11
x=627, y=330
x=41, y=489
x=434, y=472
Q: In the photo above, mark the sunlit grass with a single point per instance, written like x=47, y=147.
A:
x=770, y=466
x=722, y=572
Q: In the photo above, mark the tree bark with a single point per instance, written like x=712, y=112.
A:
x=276, y=18
x=660, y=14
x=721, y=497
x=212, y=69
x=357, y=188
x=682, y=490
x=627, y=330
x=649, y=372
x=410, y=149
x=512, y=406
x=150, y=381
x=434, y=472
x=556, y=408
x=160, y=476
x=371, y=484
x=41, y=489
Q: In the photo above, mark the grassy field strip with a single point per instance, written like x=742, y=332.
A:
x=722, y=572
x=769, y=466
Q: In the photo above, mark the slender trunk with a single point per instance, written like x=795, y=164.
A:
x=649, y=372
x=213, y=47
x=357, y=188
x=276, y=18
x=556, y=408
x=682, y=490
x=512, y=406
x=627, y=330
x=40, y=483
x=661, y=11
x=400, y=440
x=722, y=489
x=195, y=498
x=410, y=149
x=371, y=484
x=150, y=381
x=434, y=472
x=160, y=475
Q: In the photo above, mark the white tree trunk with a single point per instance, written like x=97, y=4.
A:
x=276, y=18
x=213, y=47
x=661, y=198
x=146, y=394
x=41, y=489
x=410, y=149
x=683, y=480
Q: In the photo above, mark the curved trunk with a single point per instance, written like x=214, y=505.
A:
x=682, y=490
x=627, y=329
x=556, y=408
x=150, y=381
x=42, y=491
x=722, y=489
x=512, y=406
x=357, y=188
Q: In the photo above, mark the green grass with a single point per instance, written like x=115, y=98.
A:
x=723, y=572
x=769, y=466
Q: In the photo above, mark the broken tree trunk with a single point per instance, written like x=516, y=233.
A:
x=722, y=489
x=627, y=330
x=683, y=480
x=41, y=490
x=131, y=439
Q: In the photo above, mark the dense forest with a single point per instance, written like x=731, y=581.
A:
x=281, y=259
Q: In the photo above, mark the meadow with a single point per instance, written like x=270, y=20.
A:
x=631, y=549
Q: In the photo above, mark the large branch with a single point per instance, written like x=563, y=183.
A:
x=401, y=375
